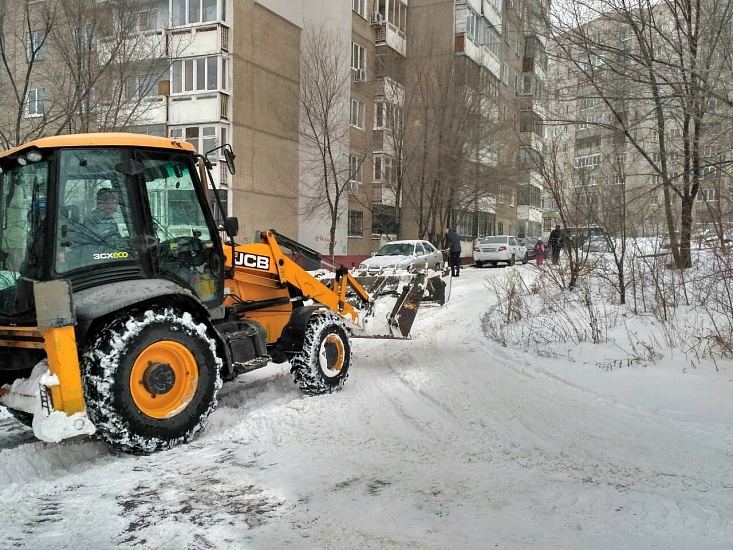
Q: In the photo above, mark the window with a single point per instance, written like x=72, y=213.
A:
x=187, y=12
x=588, y=161
x=356, y=223
x=387, y=115
x=527, y=85
x=34, y=102
x=195, y=75
x=36, y=46
x=358, y=57
x=357, y=114
x=359, y=6
x=505, y=73
x=654, y=198
x=203, y=138
x=147, y=20
x=141, y=86
x=707, y=195
x=224, y=198
x=355, y=171
x=384, y=169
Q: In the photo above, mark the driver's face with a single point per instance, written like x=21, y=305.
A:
x=110, y=204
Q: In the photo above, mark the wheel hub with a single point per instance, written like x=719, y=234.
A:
x=159, y=378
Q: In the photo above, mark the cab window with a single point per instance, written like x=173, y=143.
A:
x=184, y=242
x=93, y=218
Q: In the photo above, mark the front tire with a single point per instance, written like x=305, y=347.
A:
x=512, y=260
x=323, y=364
x=150, y=380
x=525, y=260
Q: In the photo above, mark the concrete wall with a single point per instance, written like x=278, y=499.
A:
x=313, y=225
x=265, y=74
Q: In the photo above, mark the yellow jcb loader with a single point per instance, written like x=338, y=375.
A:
x=125, y=301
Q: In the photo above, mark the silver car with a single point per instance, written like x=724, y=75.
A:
x=499, y=248
x=409, y=255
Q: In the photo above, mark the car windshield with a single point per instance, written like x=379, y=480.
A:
x=494, y=240
x=396, y=249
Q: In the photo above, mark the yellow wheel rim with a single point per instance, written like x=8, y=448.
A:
x=164, y=379
x=331, y=356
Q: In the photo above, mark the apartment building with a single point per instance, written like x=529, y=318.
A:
x=619, y=151
x=205, y=71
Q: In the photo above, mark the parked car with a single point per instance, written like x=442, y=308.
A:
x=499, y=249
x=409, y=254
x=529, y=243
x=596, y=244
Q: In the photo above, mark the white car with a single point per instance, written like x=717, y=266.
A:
x=499, y=248
x=409, y=255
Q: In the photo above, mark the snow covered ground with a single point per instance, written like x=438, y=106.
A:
x=445, y=441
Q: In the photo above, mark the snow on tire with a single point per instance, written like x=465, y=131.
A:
x=151, y=379
x=323, y=364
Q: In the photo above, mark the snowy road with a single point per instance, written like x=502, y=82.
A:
x=445, y=441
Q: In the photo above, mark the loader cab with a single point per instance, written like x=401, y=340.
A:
x=123, y=208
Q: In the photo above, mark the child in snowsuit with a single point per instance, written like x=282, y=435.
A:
x=539, y=251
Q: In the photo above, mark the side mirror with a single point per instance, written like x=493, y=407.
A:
x=229, y=158
x=231, y=226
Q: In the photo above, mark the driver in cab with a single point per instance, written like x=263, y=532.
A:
x=101, y=223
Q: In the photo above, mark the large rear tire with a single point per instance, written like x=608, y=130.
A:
x=150, y=380
x=479, y=264
x=512, y=260
x=323, y=364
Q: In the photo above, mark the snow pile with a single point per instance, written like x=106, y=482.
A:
x=30, y=395
x=448, y=440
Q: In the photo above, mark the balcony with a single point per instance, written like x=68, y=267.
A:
x=384, y=194
x=392, y=36
x=383, y=142
x=492, y=12
x=391, y=90
x=531, y=103
x=466, y=45
x=193, y=109
x=532, y=65
x=141, y=46
x=201, y=40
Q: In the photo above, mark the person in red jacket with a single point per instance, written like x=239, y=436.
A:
x=539, y=251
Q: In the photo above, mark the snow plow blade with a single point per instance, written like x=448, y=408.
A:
x=411, y=290
x=405, y=309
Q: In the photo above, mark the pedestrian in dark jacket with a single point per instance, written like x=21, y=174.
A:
x=554, y=243
x=453, y=249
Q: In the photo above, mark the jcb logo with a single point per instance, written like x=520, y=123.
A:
x=253, y=260
x=110, y=256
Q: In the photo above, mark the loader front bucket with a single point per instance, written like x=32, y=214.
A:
x=408, y=291
x=405, y=309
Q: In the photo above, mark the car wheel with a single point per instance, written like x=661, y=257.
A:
x=493, y=264
x=511, y=260
x=479, y=264
x=525, y=259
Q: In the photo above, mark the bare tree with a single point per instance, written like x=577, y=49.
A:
x=657, y=68
x=326, y=155
x=79, y=65
x=450, y=120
